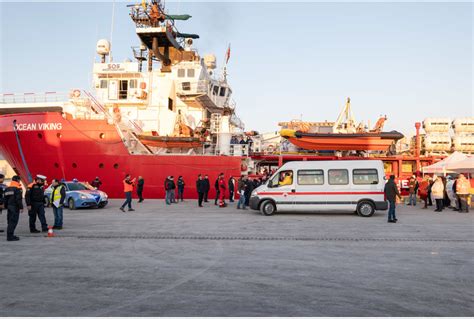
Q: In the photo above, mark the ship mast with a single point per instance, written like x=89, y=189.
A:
x=157, y=32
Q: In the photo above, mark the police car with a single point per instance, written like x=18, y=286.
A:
x=79, y=195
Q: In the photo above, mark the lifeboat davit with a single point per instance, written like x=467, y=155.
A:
x=380, y=141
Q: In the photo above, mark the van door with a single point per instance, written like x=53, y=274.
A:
x=281, y=188
x=310, y=190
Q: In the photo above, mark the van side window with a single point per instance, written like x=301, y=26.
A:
x=311, y=177
x=338, y=177
x=365, y=177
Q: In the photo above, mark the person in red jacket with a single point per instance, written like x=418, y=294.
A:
x=222, y=189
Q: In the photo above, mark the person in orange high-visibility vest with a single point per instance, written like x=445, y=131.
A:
x=222, y=189
x=462, y=190
x=128, y=184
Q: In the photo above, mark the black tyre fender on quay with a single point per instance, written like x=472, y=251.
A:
x=71, y=204
x=267, y=207
x=365, y=208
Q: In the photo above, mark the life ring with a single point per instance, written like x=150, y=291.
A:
x=143, y=85
x=270, y=148
x=76, y=93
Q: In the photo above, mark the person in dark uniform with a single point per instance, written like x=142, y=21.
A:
x=14, y=203
x=391, y=193
x=207, y=187
x=248, y=191
x=231, y=188
x=140, y=184
x=34, y=198
x=96, y=183
x=218, y=192
x=2, y=199
x=181, y=184
x=201, y=189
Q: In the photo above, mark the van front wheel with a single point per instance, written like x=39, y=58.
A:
x=267, y=208
x=365, y=209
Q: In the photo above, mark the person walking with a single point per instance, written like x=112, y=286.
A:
x=13, y=197
x=391, y=193
x=412, y=189
x=231, y=189
x=463, y=191
x=222, y=188
x=438, y=193
x=140, y=185
x=201, y=189
x=2, y=197
x=241, y=186
x=34, y=198
x=181, y=184
x=58, y=196
x=128, y=185
x=96, y=183
x=207, y=187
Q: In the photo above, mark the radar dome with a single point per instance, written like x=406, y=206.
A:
x=210, y=61
x=103, y=47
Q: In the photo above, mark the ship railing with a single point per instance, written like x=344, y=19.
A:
x=43, y=97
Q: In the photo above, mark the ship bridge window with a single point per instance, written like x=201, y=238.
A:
x=222, y=92
x=104, y=84
x=215, y=90
x=132, y=84
x=190, y=73
x=181, y=73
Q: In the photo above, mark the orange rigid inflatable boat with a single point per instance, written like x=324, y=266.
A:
x=342, y=141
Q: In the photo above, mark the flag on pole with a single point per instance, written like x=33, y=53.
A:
x=227, y=55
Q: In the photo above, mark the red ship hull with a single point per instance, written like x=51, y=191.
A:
x=65, y=148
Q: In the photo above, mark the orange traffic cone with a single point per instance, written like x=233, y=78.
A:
x=50, y=231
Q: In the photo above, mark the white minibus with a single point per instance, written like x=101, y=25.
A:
x=353, y=185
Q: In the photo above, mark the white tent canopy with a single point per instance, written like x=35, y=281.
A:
x=443, y=167
x=464, y=166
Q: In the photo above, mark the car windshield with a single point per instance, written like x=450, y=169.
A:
x=77, y=187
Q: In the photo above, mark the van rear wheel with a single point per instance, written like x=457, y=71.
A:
x=267, y=208
x=365, y=209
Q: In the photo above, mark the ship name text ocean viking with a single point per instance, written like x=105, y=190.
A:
x=39, y=126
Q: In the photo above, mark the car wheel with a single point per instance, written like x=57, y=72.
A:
x=46, y=201
x=267, y=208
x=72, y=205
x=102, y=205
x=365, y=209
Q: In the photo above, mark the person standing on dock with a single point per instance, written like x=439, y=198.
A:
x=2, y=198
x=413, y=188
x=201, y=189
x=438, y=193
x=391, y=193
x=140, y=184
x=34, y=198
x=218, y=192
x=207, y=187
x=222, y=188
x=14, y=204
x=241, y=186
x=231, y=189
x=128, y=189
x=462, y=191
x=58, y=196
x=181, y=184
x=96, y=183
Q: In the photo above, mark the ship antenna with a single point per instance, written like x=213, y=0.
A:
x=112, y=30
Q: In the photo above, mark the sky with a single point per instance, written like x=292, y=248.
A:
x=288, y=60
